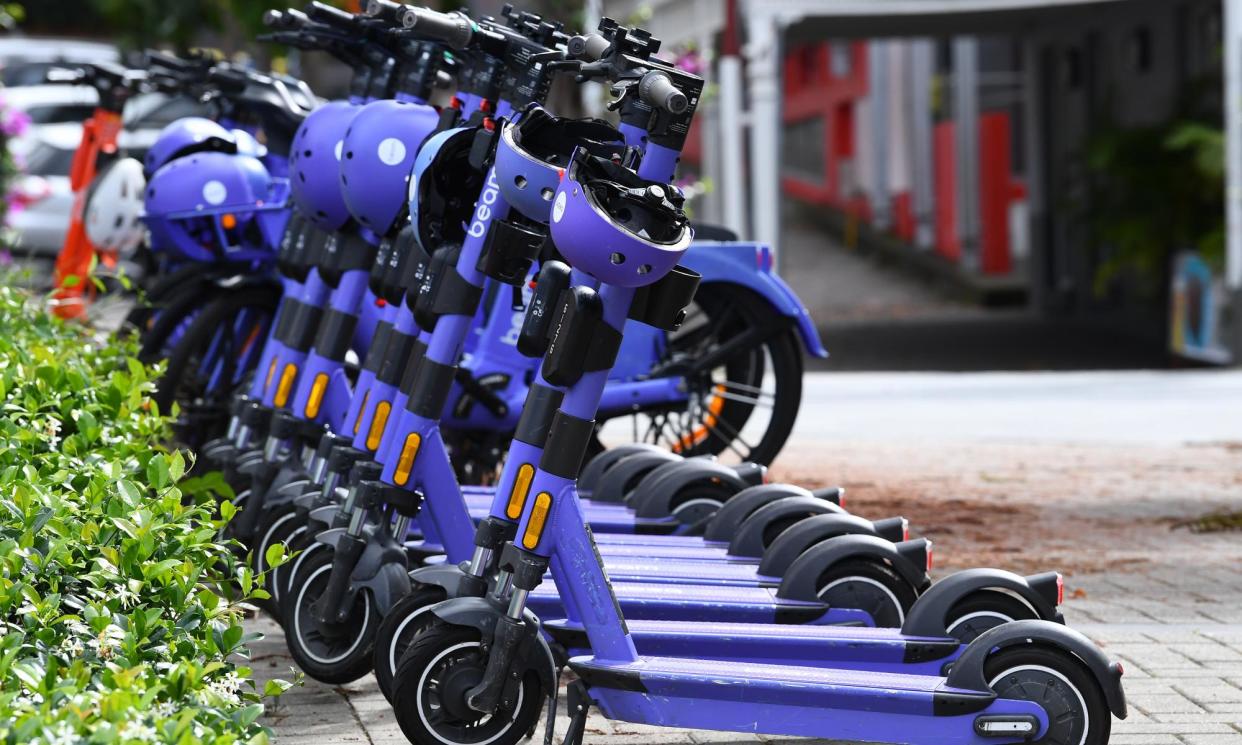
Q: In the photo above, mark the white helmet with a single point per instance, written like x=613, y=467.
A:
x=113, y=214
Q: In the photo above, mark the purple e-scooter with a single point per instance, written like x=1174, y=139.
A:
x=480, y=667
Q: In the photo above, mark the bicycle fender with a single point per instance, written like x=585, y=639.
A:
x=744, y=264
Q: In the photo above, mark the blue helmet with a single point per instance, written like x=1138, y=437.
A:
x=380, y=147
x=193, y=134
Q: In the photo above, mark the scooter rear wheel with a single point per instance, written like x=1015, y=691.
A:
x=330, y=653
x=870, y=586
x=1077, y=711
x=983, y=610
x=400, y=625
x=441, y=664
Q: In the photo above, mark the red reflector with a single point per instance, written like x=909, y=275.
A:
x=905, y=529
x=532, y=284
x=1060, y=589
x=1120, y=670
x=930, y=561
x=488, y=124
x=380, y=302
x=485, y=106
x=455, y=103
x=841, y=498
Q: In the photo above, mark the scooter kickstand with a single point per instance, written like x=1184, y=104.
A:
x=579, y=703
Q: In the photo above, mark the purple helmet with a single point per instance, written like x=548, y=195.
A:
x=247, y=144
x=616, y=226
x=313, y=166
x=380, y=147
x=214, y=206
x=193, y=134
x=534, y=150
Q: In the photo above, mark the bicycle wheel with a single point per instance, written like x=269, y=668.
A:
x=742, y=365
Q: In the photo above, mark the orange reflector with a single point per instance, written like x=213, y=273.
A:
x=538, y=518
x=229, y=221
x=377, y=425
x=271, y=373
x=361, y=410
x=315, y=400
x=405, y=463
x=287, y=377
x=699, y=434
x=521, y=487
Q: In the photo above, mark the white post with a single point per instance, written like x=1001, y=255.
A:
x=733, y=186
x=1233, y=162
x=1233, y=171
x=763, y=55
x=966, y=141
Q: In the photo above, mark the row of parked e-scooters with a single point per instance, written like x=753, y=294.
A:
x=494, y=266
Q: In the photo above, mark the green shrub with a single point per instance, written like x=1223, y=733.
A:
x=120, y=611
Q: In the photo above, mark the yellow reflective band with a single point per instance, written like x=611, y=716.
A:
x=521, y=487
x=377, y=425
x=405, y=463
x=315, y=400
x=286, y=384
x=361, y=410
x=271, y=373
x=538, y=518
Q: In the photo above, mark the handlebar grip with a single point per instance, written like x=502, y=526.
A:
x=326, y=14
x=387, y=10
x=453, y=29
x=587, y=47
x=228, y=79
x=157, y=58
x=657, y=89
x=275, y=19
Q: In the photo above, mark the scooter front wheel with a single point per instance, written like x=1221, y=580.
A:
x=866, y=585
x=332, y=653
x=407, y=618
x=442, y=663
x=1077, y=711
x=277, y=525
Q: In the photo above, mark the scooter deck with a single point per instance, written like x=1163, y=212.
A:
x=676, y=571
x=697, y=602
x=844, y=647
x=792, y=700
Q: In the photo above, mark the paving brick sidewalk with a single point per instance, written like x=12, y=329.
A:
x=1179, y=635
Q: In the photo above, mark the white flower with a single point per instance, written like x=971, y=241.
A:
x=72, y=646
x=64, y=734
x=107, y=641
x=230, y=682
x=164, y=710
x=127, y=596
x=139, y=732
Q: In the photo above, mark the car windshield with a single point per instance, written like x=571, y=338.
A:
x=45, y=159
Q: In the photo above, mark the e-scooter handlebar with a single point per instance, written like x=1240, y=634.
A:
x=587, y=47
x=657, y=89
x=454, y=29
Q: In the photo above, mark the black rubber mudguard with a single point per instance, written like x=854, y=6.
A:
x=615, y=483
x=595, y=468
x=801, y=581
x=968, y=672
x=658, y=493
x=792, y=543
x=752, y=536
x=930, y=614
